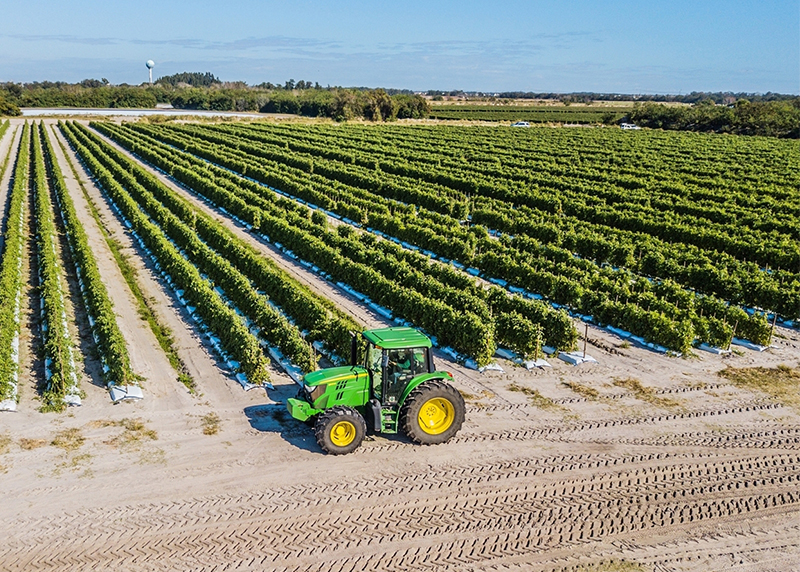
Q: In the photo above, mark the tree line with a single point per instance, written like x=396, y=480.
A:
x=767, y=114
x=718, y=97
x=204, y=91
x=778, y=118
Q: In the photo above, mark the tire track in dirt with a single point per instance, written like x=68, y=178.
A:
x=734, y=549
x=775, y=438
x=567, y=432
x=414, y=482
x=456, y=527
x=613, y=396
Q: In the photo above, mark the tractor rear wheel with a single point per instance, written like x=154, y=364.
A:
x=432, y=413
x=340, y=430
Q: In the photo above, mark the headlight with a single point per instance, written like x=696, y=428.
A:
x=315, y=391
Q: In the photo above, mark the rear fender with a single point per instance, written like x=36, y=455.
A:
x=420, y=379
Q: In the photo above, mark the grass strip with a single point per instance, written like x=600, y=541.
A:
x=644, y=393
x=536, y=399
x=781, y=382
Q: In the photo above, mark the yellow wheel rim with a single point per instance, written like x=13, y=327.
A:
x=436, y=415
x=343, y=433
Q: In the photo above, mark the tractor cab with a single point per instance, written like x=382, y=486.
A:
x=396, y=387
x=394, y=358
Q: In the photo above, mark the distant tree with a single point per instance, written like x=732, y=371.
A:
x=316, y=103
x=220, y=101
x=282, y=102
x=191, y=99
x=8, y=108
x=132, y=97
x=92, y=83
x=344, y=105
x=411, y=106
x=194, y=79
x=379, y=106
x=13, y=90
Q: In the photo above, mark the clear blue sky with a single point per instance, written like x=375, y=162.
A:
x=614, y=46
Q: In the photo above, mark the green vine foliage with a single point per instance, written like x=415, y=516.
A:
x=271, y=323
x=395, y=267
x=11, y=270
x=57, y=341
x=223, y=321
x=110, y=341
x=557, y=246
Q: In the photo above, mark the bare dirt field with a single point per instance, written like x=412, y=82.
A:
x=640, y=462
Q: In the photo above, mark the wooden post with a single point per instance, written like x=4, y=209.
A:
x=772, y=329
x=538, y=345
x=733, y=334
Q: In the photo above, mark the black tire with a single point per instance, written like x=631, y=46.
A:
x=432, y=395
x=340, y=430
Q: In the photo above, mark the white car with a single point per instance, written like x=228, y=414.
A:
x=521, y=124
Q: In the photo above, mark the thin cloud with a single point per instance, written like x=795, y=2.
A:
x=323, y=48
x=283, y=43
x=64, y=38
x=274, y=42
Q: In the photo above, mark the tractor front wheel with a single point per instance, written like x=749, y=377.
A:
x=432, y=413
x=340, y=430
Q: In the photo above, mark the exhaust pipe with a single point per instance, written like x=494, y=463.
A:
x=353, y=348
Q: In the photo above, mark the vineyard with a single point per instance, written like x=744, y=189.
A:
x=676, y=257
x=172, y=266
x=484, y=239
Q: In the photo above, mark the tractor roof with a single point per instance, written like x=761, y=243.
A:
x=397, y=338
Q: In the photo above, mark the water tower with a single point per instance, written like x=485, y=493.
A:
x=150, y=65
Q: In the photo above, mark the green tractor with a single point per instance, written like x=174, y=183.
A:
x=397, y=388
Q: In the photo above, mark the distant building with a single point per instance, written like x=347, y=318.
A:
x=629, y=126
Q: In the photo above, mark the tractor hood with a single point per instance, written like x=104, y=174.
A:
x=346, y=385
x=333, y=375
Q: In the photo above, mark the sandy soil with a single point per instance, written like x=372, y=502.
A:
x=700, y=475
